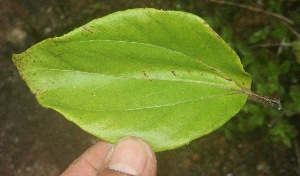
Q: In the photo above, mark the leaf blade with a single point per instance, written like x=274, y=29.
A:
x=158, y=75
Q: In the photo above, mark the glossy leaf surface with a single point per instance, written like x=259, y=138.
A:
x=164, y=76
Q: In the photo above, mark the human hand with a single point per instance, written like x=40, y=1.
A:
x=130, y=156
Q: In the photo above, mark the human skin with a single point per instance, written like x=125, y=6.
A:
x=129, y=156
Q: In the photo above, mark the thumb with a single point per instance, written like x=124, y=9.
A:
x=130, y=156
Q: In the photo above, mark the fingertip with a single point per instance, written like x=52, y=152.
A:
x=131, y=156
x=89, y=163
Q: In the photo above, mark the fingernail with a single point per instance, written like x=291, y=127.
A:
x=129, y=156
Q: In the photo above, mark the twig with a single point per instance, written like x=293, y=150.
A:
x=293, y=31
x=281, y=46
x=296, y=146
x=266, y=45
x=276, y=15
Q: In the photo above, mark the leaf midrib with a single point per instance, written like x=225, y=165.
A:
x=142, y=78
x=151, y=107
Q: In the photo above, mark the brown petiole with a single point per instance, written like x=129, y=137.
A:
x=264, y=100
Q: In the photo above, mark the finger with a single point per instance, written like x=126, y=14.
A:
x=130, y=156
x=89, y=163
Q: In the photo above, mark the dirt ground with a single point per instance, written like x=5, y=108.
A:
x=39, y=141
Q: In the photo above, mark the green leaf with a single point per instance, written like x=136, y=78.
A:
x=164, y=76
x=259, y=35
x=284, y=132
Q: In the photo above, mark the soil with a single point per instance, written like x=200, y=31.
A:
x=40, y=141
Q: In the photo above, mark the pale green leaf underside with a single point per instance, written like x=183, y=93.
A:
x=164, y=76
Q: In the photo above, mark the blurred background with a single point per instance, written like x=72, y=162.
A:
x=258, y=141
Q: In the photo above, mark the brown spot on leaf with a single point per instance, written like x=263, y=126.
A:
x=39, y=92
x=145, y=74
x=87, y=30
x=173, y=72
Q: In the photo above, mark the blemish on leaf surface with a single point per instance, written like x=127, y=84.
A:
x=145, y=74
x=87, y=30
x=173, y=72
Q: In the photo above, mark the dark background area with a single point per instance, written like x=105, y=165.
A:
x=39, y=141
